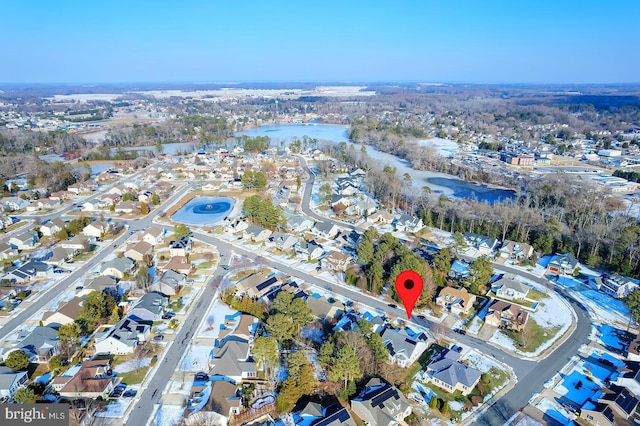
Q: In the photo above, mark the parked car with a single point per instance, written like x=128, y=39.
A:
x=130, y=393
x=200, y=376
x=158, y=337
x=168, y=315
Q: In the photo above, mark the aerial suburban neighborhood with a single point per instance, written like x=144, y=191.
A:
x=250, y=281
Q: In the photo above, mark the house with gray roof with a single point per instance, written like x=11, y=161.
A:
x=326, y=230
x=323, y=309
x=299, y=223
x=24, y=241
x=224, y=401
x=11, y=381
x=562, y=264
x=510, y=289
x=308, y=249
x=281, y=241
x=123, y=337
x=314, y=414
x=170, y=283
x=403, y=348
x=30, y=270
x=117, y=267
x=446, y=372
x=381, y=404
x=256, y=233
x=149, y=307
x=482, y=243
x=232, y=360
x=409, y=223
x=40, y=344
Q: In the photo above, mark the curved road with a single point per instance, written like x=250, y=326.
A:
x=531, y=374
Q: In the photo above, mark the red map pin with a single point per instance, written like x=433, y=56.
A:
x=409, y=287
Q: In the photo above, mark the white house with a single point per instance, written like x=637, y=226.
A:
x=123, y=337
x=408, y=223
x=308, y=249
x=96, y=229
x=11, y=381
x=154, y=236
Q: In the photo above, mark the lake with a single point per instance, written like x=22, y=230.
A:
x=440, y=183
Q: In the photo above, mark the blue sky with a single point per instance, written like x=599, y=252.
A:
x=535, y=41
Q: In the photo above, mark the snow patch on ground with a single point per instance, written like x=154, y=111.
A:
x=611, y=337
x=481, y=362
x=195, y=359
x=169, y=415
x=603, y=307
x=131, y=365
x=475, y=325
x=218, y=313
x=555, y=411
x=115, y=409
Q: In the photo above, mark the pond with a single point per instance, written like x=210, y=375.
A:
x=204, y=210
x=440, y=183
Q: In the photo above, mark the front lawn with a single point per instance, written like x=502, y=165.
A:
x=536, y=295
x=133, y=377
x=533, y=335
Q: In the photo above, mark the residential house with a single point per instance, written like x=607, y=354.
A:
x=337, y=261
x=232, y=359
x=127, y=207
x=180, y=247
x=299, y=223
x=47, y=203
x=281, y=241
x=381, y=404
x=326, y=230
x=149, y=307
x=507, y=315
x=90, y=380
x=507, y=288
x=598, y=414
x=138, y=251
x=170, y=283
x=52, y=227
x=11, y=381
x=77, y=244
x=516, y=251
x=308, y=249
x=237, y=225
x=79, y=188
x=344, y=200
x=222, y=404
x=446, y=372
x=28, y=271
x=325, y=310
x=40, y=344
x=177, y=263
x=562, y=264
x=481, y=243
x=633, y=351
x=5, y=221
x=58, y=256
x=617, y=286
x=154, y=236
x=118, y=267
x=24, y=241
x=404, y=349
x=123, y=337
x=314, y=414
x=7, y=252
x=622, y=401
x=97, y=229
x=629, y=376
x=14, y=203
x=458, y=301
x=66, y=313
x=104, y=283
x=381, y=217
x=409, y=223
x=363, y=207
x=258, y=285
x=256, y=233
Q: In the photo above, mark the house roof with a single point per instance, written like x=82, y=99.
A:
x=453, y=295
x=603, y=409
x=71, y=309
x=121, y=264
x=383, y=401
x=38, y=338
x=324, y=227
x=153, y=302
x=622, y=397
x=254, y=230
x=508, y=283
x=447, y=369
x=222, y=398
x=8, y=377
x=125, y=331
x=230, y=357
x=172, y=279
x=101, y=283
x=399, y=342
x=141, y=247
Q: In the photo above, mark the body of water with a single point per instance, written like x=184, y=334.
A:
x=440, y=183
x=204, y=210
